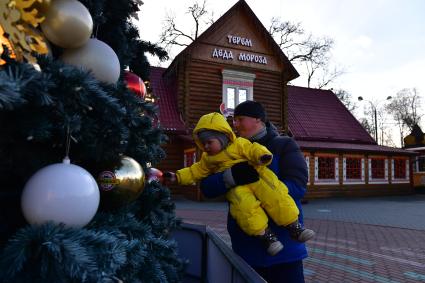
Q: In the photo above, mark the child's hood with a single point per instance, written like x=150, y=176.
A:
x=213, y=121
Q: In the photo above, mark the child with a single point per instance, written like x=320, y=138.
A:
x=221, y=149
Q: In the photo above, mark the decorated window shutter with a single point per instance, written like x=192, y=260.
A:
x=307, y=161
x=336, y=169
x=316, y=168
x=386, y=169
x=407, y=169
x=363, y=169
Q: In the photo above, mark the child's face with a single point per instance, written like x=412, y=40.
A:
x=212, y=146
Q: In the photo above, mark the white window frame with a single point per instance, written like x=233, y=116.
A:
x=325, y=181
x=237, y=80
x=402, y=180
x=353, y=181
x=378, y=181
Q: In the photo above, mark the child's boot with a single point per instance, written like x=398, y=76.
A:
x=299, y=233
x=271, y=242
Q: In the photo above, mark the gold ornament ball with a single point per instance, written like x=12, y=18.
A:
x=68, y=23
x=121, y=184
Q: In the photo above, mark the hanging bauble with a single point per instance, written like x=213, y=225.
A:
x=154, y=175
x=68, y=23
x=121, y=183
x=135, y=84
x=62, y=193
x=97, y=57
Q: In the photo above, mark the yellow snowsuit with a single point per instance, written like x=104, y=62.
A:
x=247, y=201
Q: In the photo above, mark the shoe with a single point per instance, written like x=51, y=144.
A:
x=271, y=242
x=299, y=233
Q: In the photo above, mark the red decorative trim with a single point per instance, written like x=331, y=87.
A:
x=238, y=83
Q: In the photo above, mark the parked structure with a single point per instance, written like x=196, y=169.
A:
x=235, y=60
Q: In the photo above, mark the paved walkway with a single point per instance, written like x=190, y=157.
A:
x=358, y=240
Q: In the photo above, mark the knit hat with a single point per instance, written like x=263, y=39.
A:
x=252, y=109
x=203, y=135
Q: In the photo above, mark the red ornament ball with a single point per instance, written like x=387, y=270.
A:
x=135, y=83
x=154, y=174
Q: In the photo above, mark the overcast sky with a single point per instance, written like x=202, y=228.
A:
x=380, y=43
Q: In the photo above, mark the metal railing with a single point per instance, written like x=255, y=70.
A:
x=210, y=259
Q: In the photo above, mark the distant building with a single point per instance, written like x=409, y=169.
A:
x=236, y=60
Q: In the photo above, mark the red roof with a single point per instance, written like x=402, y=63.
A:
x=351, y=147
x=319, y=115
x=169, y=116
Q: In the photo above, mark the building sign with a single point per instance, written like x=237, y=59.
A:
x=239, y=40
x=225, y=54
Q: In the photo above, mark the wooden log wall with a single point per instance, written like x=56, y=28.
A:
x=204, y=91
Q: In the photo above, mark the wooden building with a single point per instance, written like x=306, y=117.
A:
x=236, y=60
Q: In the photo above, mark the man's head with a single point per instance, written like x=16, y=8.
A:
x=249, y=118
x=213, y=141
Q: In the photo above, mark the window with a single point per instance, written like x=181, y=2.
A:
x=420, y=164
x=237, y=87
x=326, y=169
x=353, y=169
x=189, y=157
x=400, y=170
x=378, y=170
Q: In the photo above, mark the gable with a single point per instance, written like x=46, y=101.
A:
x=238, y=38
x=237, y=41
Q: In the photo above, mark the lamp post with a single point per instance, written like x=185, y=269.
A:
x=360, y=98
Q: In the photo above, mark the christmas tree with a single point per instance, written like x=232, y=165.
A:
x=49, y=109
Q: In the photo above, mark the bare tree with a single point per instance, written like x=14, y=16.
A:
x=346, y=99
x=367, y=125
x=306, y=51
x=173, y=35
x=404, y=109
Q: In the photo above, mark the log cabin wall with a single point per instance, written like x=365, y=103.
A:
x=204, y=93
x=344, y=188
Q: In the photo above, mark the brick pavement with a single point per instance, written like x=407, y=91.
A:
x=344, y=251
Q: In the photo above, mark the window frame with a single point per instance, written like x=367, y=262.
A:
x=333, y=181
x=406, y=178
x=189, y=153
x=362, y=179
x=238, y=81
x=372, y=180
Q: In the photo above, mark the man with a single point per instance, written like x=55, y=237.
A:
x=289, y=165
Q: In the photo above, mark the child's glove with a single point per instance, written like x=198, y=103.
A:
x=170, y=177
x=264, y=159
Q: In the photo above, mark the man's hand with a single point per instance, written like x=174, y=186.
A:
x=266, y=158
x=243, y=173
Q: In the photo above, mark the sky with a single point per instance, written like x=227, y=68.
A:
x=380, y=43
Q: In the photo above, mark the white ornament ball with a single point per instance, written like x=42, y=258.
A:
x=68, y=23
x=97, y=57
x=62, y=193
